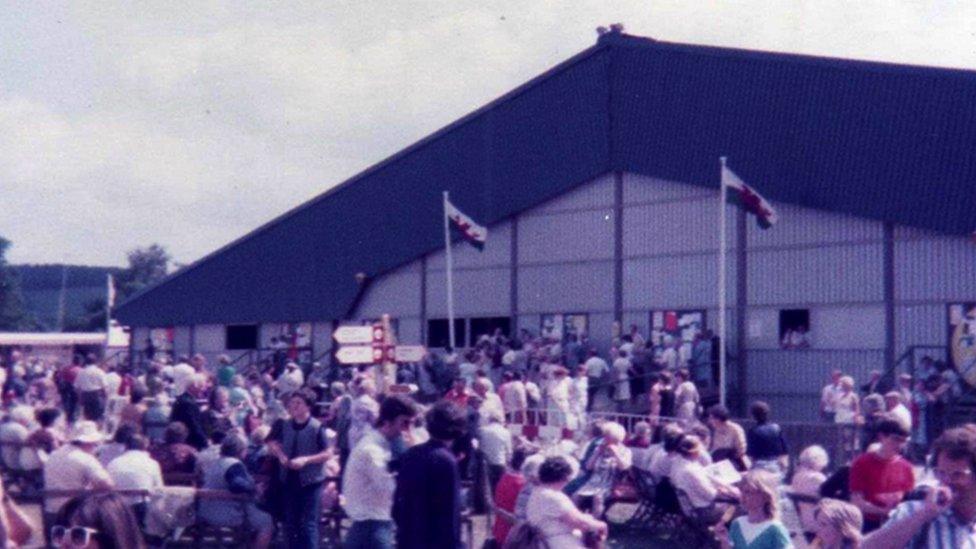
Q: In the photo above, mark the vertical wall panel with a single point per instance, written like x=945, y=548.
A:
x=482, y=292
x=639, y=188
x=920, y=325
x=808, y=226
x=578, y=236
x=181, y=340
x=566, y=288
x=397, y=291
x=848, y=327
x=321, y=337
x=210, y=338
x=595, y=194
x=682, y=227
x=831, y=274
x=675, y=282
x=940, y=269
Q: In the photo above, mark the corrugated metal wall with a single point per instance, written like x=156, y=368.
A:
x=827, y=263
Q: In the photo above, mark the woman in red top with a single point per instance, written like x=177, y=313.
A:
x=506, y=492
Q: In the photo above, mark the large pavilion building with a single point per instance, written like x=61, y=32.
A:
x=599, y=183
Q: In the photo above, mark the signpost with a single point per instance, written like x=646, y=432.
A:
x=354, y=335
x=409, y=353
x=375, y=345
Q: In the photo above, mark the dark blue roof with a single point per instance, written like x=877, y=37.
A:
x=886, y=142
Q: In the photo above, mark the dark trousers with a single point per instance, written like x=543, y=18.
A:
x=371, y=534
x=93, y=405
x=69, y=399
x=592, y=389
x=302, y=511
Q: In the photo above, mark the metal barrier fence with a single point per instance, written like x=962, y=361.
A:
x=839, y=440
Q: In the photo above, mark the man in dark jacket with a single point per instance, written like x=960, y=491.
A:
x=186, y=410
x=427, y=501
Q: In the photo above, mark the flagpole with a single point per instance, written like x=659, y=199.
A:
x=722, y=252
x=450, y=276
x=109, y=297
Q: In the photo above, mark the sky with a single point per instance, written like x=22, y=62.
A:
x=189, y=124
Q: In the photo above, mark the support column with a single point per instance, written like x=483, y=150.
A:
x=423, y=300
x=513, y=277
x=741, y=307
x=618, y=248
x=888, y=259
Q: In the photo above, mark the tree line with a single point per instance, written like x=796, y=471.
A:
x=145, y=266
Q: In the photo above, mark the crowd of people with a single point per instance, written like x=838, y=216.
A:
x=405, y=461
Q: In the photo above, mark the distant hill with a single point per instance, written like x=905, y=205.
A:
x=41, y=286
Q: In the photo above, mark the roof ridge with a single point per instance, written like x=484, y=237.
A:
x=632, y=41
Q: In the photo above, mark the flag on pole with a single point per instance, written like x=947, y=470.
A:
x=749, y=199
x=111, y=292
x=475, y=234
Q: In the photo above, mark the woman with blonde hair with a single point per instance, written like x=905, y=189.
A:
x=807, y=479
x=760, y=527
x=838, y=525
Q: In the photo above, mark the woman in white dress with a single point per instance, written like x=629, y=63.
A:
x=846, y=407
x=553, y=514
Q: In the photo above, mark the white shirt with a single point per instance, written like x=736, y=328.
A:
x=135, y=470
x=545, y=511
x=669, y=357
x=290, y=380
x=514, y=397
x=367, y=484
x=491, y=407
x=596, y=367
x=112, y=383
x=13, y=433
x=828, y=398
x=578, y=393
x=690, y=477
x=467, y=371
x=182, y=373
x=901, y=413
x=90, y=378
x=496, y=443
x=71, y=468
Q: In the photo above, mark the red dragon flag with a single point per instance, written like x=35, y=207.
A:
x=475, y=234
x=749, y=199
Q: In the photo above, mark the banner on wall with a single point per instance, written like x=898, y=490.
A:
x=162, y=339
x=561, y=326
x=962, y=339
x=683, y=325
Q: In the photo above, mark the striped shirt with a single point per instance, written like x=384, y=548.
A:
x=946, y=531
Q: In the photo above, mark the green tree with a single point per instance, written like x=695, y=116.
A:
x=13, y=314
x=147, y=266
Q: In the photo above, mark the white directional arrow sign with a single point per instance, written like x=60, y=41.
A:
x=356, y=355
x=353, y=334
x=410, y=353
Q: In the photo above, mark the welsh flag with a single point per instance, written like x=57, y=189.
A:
x=749, y=199
x=475, y=234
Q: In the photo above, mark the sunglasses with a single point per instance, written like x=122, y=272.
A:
x=77, y=536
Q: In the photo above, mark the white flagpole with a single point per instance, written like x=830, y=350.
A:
x=721, y=284
x=109, y=291
x=450, y=276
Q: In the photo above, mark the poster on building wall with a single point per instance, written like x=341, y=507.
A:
x=962, y=339
x=561, y=326
x=676, y=325
x=162, y=339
